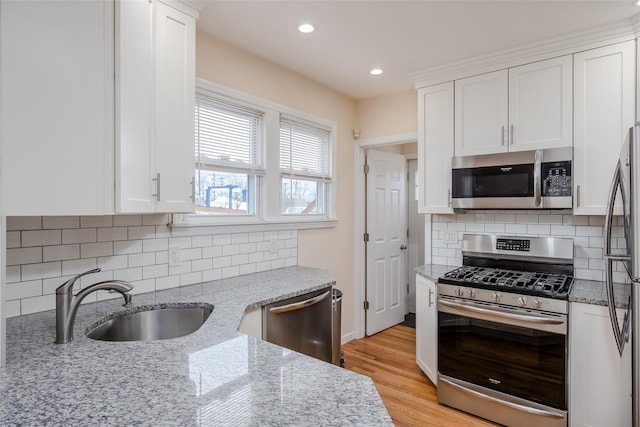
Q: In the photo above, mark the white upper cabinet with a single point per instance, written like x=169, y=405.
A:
x=156, y=97
x=70, y=133
x=481, y=114
x=604, y=110
x=435, y=148
x=540, y=105
x=57, y=107
x=524, y=108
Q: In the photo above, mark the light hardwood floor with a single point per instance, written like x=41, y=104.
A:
x=389, y=358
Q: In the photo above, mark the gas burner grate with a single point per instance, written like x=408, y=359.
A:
x=526, y=282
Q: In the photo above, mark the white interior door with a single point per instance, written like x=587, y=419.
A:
x=415, y=253
x=386, y=248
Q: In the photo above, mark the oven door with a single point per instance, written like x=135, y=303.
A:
x=508, y=350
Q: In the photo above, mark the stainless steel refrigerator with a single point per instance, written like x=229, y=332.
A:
x=622, y=256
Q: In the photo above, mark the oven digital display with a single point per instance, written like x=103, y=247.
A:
x=521, y=245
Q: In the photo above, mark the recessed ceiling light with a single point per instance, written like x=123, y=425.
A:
x=306, y=28
x=375, y=72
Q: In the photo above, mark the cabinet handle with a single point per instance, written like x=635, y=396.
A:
x=193, y=189
x=502, y=135
x=157, y=180
x=430, y=300
x=512, y=135
x=577, y=196
x=449, y=198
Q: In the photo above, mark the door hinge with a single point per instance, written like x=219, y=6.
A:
x=366, y=169
x=366, y=237
x=366, y=305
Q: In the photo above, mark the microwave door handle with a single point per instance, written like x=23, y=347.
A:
x=537, y=178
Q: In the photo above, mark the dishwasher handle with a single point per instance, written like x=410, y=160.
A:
x=299, y=305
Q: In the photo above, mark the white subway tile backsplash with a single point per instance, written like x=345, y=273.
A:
x=28, y=289
x=95, y=221
x=127, y=220
x=44, y=252
x=93, y=250
x=80, y=235
x=24, y=256
x=24, y=223
x=59, y=253
x=112, y=234
x=40, y=271
x=52, y=222
x=40, y=238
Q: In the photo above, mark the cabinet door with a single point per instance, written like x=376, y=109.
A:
x=135, y=162
x=427, y=328
x=175, y=104
x=604, y=101
x=57, y=107
x=540, y=105
x=599, y=379
x=435, y=148
x=481, y=114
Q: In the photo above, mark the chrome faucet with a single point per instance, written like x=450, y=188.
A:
x=67, y=304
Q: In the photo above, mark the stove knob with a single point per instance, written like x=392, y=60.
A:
x=495, y=297
x=522, y=301
x=459, y=292
x=471, y=293
x=536, y=303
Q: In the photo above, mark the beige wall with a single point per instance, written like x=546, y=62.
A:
x=332, y=248
x=392, y=114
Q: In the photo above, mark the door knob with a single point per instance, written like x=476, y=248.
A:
x=403, y=247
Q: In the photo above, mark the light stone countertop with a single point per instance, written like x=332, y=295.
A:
x=213, y=377
x=584, y=291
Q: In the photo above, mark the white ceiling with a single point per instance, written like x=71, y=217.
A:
x=400, y=37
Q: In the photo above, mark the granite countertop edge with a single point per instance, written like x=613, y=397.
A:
x=214, y=376
x=583, y=291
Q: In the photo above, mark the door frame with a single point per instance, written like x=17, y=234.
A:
x=361, y=147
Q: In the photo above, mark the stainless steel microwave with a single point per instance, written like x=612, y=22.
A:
x=538, y=179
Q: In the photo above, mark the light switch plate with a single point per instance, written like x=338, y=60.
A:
x=451, y=236
x=174, y=257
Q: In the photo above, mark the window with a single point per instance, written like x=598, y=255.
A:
x=304, y=166
x=229, y=156
x=260, y=165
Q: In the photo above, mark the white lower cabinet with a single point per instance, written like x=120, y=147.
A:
x=427, y=327
x=251, y=323
x=599, y=379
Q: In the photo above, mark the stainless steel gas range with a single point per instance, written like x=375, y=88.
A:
x=502, y=330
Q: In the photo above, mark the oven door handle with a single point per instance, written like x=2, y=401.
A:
x=495, y=313
x=513, y=405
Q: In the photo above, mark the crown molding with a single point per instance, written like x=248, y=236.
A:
x=619, y=31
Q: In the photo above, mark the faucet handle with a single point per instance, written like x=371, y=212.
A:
x=68, y=285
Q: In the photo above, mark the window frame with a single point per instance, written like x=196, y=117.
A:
x=268, y=215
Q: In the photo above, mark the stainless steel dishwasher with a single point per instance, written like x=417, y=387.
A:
x=302, y=324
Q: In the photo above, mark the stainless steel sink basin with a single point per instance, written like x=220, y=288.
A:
x=148, y=323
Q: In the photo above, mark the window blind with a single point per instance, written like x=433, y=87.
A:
x=304, y=149
x=228, y=137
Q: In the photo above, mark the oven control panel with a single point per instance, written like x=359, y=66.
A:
x=520, y=245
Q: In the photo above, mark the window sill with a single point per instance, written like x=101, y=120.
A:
x=252, y=225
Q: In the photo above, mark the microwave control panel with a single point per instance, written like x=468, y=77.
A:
x=556, y=179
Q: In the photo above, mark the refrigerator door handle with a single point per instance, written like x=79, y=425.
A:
x=621, y=335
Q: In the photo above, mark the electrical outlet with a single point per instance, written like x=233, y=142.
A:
x=174, y=257
x=273, y=245
x=450, y=236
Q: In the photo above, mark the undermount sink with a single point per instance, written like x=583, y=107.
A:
x=149, y=323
